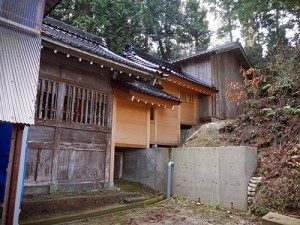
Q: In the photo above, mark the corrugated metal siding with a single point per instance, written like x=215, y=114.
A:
x=19, y=66
x=25, y=12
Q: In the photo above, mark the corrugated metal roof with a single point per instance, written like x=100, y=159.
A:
x=19, y=66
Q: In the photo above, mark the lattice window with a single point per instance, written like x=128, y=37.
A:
x=46, y=102
x=85, y=106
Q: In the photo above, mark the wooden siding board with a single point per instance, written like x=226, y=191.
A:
x=131, y=123
x=31, y=165
x=65, y=151
x=82, y=136
x=63, y=165
x=44, y=168
x=199, y=69
x=41, y=134
x=225, y=66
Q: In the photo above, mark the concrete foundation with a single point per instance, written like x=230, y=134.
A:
x=216, y=175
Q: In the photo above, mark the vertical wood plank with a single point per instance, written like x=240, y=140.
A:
x=55, y=161
x=48, y=88
x=68, y=101
x=100, y=109
x=77, y=113
x=41, y=99
x=60, y=101
x=54, y=96
x=82, y=105
x=91, y=107
x=95, y=108
x=87, y=106
x=37, y=109
x=73, y=104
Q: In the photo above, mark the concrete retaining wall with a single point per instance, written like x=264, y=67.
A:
x=216, y=175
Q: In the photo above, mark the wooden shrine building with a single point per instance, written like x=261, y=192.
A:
x=91, y=102
x=69, y=147
x=214, y=66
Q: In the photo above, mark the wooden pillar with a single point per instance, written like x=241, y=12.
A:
x=59, y=115
x=12, y=199
x=112, y=141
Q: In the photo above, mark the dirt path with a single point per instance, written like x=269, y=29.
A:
x=174, y=211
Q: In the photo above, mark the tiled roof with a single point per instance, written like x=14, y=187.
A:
x=144, y=59
x=82, y=40
x=148, y=89
x=222, y=48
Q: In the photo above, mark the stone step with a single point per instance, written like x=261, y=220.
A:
x=275, y=219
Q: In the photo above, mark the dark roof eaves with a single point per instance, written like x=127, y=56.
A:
x=145, y=90
x=132, y=52
x=223, y=48
x=105, y=53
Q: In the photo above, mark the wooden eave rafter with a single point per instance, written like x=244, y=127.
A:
x=183, y=83
x=144, y=99
x=93, y=58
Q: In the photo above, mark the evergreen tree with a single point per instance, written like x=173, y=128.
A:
x=120, y=22
x=162, y=20
x=225, y=13
x=195, y=27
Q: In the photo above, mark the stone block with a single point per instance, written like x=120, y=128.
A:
x=275, y=219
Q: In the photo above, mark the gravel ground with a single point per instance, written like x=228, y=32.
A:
x=175, y=211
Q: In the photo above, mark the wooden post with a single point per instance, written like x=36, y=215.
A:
x=112, y=141
x=11, y=209
x=59, y=115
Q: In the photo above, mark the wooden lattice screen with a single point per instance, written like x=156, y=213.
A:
x=80, y=105
x=46, y=102
x=85, y=106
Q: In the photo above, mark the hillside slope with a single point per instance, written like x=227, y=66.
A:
x=271, y=122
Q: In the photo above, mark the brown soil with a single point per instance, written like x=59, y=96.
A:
x=175, y=211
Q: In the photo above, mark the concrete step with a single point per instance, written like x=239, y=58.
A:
x=41, y=207
x=275, y=219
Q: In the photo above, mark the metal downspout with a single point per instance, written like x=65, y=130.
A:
x=169, y=179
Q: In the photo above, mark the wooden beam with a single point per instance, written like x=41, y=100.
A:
x=130, y=145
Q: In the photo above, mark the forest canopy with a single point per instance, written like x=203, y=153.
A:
x=174, y=28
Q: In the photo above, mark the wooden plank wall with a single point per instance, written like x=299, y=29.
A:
x=200, y=68
x=168, y=120
x=214, y=69
x=225, y=65
x=189, y=111
x=65, y=147
x=132, y=124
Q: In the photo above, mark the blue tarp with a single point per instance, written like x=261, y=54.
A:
x=5, y=141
